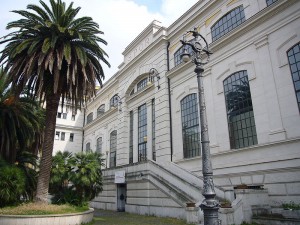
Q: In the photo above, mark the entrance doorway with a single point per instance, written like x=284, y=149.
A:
x=121, y=196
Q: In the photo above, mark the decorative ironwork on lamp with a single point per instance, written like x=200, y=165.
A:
x=153, y=73
x=199, y=47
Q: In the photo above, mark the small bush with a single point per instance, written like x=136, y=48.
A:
x=12, y=185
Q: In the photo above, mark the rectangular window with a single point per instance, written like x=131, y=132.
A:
x=73, y=118
x=63, y=134
x=113, y=149
x=131, y=137
x=241, y=122
x=59, y=115
x=99, y=145
x=142, y=132
x=71, y=137
x=64, y=115
x=153, y=130
x=57, y=135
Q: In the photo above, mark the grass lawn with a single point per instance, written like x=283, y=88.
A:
x=40, y=209
x=103, y=217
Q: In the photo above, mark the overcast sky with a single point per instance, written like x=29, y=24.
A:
x=120, y=20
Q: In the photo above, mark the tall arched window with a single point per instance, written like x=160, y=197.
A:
x=99, y=145
x=114, y=101
x=113, y=149
x=142, y=132
x=89, y=118
x=101, y=110
x=294, y=61
x=190, y=126
x=241, y=123
x=228, y=22
x=88, y=147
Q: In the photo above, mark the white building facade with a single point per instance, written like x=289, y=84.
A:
x=148, y=128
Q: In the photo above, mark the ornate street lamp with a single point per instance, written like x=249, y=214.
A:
x=199, y=47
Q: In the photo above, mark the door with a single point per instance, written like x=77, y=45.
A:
x=121, y=191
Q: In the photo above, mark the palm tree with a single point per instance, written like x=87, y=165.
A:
x=58, y=56
x=21, y=122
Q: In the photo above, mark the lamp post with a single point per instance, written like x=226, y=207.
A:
x=199, y=47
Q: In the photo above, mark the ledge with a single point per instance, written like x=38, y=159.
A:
x=57, y=219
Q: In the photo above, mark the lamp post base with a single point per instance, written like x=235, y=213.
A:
x=210, y=210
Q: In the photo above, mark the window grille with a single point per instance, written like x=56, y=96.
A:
x=113, y=149
x=270, y=2
x=99, y=145
x=101, y=110
x=153, y=130
x=131, y=137
x=241, y=123
x=89, y=118
x=228, y=22
x=190, y=126
x=294, y=61
x=142, y=84
x=142, y=132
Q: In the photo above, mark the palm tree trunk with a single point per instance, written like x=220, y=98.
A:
x=52, y=102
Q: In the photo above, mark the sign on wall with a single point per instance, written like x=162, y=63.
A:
x=120, y=177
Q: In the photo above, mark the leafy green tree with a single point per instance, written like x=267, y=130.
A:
x=58, y=56
x=21, y=122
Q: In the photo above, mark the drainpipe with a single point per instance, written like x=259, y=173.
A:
x=169, y=93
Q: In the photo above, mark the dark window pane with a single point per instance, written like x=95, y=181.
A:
x=89, y=118
x=190, y=126
x=142, y=84
x=294, y=61
x=101, y=110
x=241, y=123
x=228, y=22
x=142, y=132
x=270, y=2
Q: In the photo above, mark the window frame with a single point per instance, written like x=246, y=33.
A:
x=228, y=24
x=239, y=110
x=190, y=123
x=142, y=132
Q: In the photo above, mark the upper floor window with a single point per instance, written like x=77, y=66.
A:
x=131, y=137
x=113, y=149
x=142, y=84
x=190, y=126
x=178, y=53
x=57, y=134
x=71, y=137
x=99, y=145
x=73, y=117
x=89, y=118
x=113, y=102
x=63, y=135
x=101, y=110
x=294, y=61
x=142, y=132
x=228, y=22
x=241, y=123
x=270, y=2
x=88, y=147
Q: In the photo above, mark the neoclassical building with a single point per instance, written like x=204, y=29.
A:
x=147, y=125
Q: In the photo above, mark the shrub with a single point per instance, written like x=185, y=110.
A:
x=75, y=179
x=12, y=185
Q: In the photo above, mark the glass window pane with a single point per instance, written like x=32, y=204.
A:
x=294, y=61
x=228, y=22
x=190, y=126
x=240, y=115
